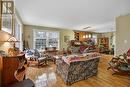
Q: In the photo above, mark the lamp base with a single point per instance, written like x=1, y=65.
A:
x=13, y=51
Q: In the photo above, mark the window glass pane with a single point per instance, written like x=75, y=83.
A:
x=17, y=32
x=53, y=34
x=53, y=39
x=7, y=23
x=40, y=35
x=46, y=39
x=53, y=42
x=40, y=44
x=94, y=36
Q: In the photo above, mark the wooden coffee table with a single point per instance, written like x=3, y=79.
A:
x=38, y=62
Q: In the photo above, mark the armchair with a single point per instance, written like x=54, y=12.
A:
x=119, y=64
x=36, y=57
x=50, y=53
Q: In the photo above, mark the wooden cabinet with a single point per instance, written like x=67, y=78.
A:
x=76, y=36
x=0, y=14
x=82, y=36
x=104, y=41
x=8, y=68
x=103, y=44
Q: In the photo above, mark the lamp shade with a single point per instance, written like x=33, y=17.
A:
x=12, y=39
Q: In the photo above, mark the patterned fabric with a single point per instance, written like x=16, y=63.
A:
x=93, y=55
x=77, y=70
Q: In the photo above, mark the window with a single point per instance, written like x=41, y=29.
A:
x=18, y=33
x=94, y=38
x=44, y=39
x=6, y=23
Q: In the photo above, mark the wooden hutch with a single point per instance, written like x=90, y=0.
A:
x=104, y=44
x=81, y=36
x=11, y=69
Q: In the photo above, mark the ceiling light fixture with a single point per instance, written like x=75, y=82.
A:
x=87, y=27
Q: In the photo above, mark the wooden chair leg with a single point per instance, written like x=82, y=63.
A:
x=114, y=73
x=108, y=68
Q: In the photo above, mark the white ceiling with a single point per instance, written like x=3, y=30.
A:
x=73, y=14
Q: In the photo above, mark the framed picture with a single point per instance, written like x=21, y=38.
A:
x=7, y=23
x=66, y=38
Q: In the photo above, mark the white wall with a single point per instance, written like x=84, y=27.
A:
x=122, y=34
x=28, y=34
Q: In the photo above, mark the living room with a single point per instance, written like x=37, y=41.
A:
x=66, y=43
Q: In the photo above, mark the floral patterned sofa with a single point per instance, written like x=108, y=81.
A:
x=77, y=70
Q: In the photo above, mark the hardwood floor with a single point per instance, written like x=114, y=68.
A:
x=47, y=77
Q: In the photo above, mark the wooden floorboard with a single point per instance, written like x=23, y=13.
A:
x=46, y=76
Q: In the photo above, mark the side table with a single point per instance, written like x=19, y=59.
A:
x=56, y=57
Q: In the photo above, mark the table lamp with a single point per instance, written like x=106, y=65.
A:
x=13, y=51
